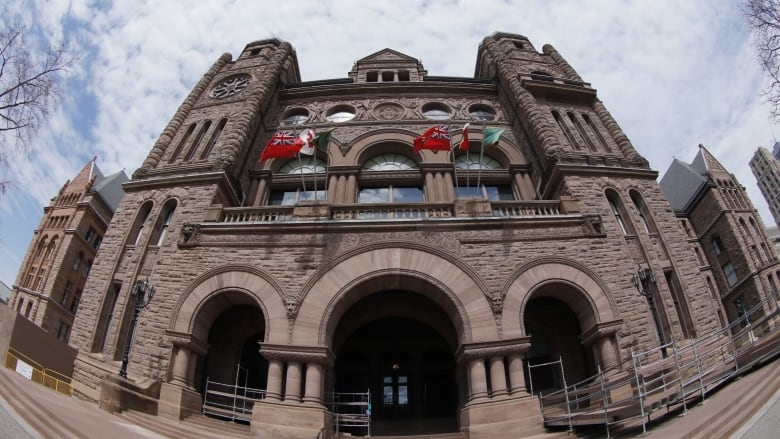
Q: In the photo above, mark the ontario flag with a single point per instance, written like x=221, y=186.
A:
x=464, y=139
x=284, y=144
x=436, y=138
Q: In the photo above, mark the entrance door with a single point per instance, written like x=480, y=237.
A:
x=395, y=396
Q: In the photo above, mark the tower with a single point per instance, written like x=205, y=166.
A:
x=430, y=279
x=52, y=276
x=766, y=168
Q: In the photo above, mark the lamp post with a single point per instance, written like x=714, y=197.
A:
x=141, y=295
x=645, y=283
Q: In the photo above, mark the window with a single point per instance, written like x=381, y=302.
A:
x=98, y=241
x=62, y=331
x=471, y=161
x=395, y=390
x=581, y=131
x=306, y=165
x=77, y=261
x=616, y=206
x=403, y=75
x=213, y=139
x=296, y=116
x=52, y=247
x=163, y=222
x=90, y=234
x=389, y=162
x=482, y=113
x=66, y=293
x=75, y=304
x=181, y=144
x=196, y=142
x=717, y=245
x=292, y=197
x=372, y=76
x=644, y=213
x=143, y=215
x=436, y=111
x=41, y=247
x=728, y=271
x=28, y=309
x=341, y=113
x=488, y=192
x=391, y=194
x=87, y=268
x=562, y=125
x=388, y=76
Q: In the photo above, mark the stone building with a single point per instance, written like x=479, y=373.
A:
x=766, y=169
x=428, y=279
x=52, y=276
x=737, y=257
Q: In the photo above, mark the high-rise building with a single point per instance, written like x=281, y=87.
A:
x=766, y=168
x=52, y=276
x=428, y=280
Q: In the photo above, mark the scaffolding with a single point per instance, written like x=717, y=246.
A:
x=231, y=401
x=351, y=411
x=668, y=377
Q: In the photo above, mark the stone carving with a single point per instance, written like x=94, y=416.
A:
x=291, y=303
x=592, y=224
x=190, y=233
x=388, y=111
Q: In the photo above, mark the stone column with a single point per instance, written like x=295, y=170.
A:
x=607, y=352
x=440, y=191
x=313, y=392
x=333, y=188
x=349, y=194
x=516, y=376
x=497, y=377
x=477, y=379
x=430, y=186
x=292, y=389
x=181, y=365
x=273, y=389
x=449, y=186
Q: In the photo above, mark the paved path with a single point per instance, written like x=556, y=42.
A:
x=765, y=424
x=10, y=426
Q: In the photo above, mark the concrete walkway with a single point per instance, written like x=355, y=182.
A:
x=29, y=410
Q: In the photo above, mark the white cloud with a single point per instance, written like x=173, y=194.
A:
x=673, y=74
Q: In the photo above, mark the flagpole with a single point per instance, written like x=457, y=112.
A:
x=300, y=165
x=481, y=153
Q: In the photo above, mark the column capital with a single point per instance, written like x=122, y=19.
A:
x=600, y=330
x=186, y=340
x=300, y=354
x=498, y=348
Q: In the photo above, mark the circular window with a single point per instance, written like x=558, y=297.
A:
x=482, y=113
x=436, y=111
x=230, y=86
x=340, y=114
x=296, y=116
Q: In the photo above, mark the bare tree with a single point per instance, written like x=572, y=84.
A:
x=28, y=88
x=764, y=21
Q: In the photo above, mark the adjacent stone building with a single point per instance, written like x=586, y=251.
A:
x=737, y=258
x=52, y=276
x=430, y=280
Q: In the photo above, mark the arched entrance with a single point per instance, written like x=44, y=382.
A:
x=399, y=346
x=555, y=330
x=232, y=324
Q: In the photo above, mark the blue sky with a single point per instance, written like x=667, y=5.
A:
x=673, y=73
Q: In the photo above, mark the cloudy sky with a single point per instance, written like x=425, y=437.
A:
x=673, y=73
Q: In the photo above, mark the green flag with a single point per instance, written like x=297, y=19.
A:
x=321, y=140
x=492, y=136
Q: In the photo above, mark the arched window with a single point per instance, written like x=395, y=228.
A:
x=41, y=247
x=396, y=192
x=389, y=162
x=619, y=212
x=471, y=161
x=52, y=248
x=181, y=144
x=467, y=181
x=305, y=166
x=717, y=245
x=644, y=213
x=213, y=139
x=755, y=227
x=77, y=261
x=140, y=223
x=163, y=222
x=196, y=142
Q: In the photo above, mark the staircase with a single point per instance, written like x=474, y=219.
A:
x=193, y=427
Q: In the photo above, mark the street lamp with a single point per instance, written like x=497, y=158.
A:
x=645, y=283
x=140, y=296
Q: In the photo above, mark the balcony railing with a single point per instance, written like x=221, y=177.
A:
x=378, y=212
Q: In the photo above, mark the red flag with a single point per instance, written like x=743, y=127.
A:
x=284, y=144
x=464, y=140
x=436, y=138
